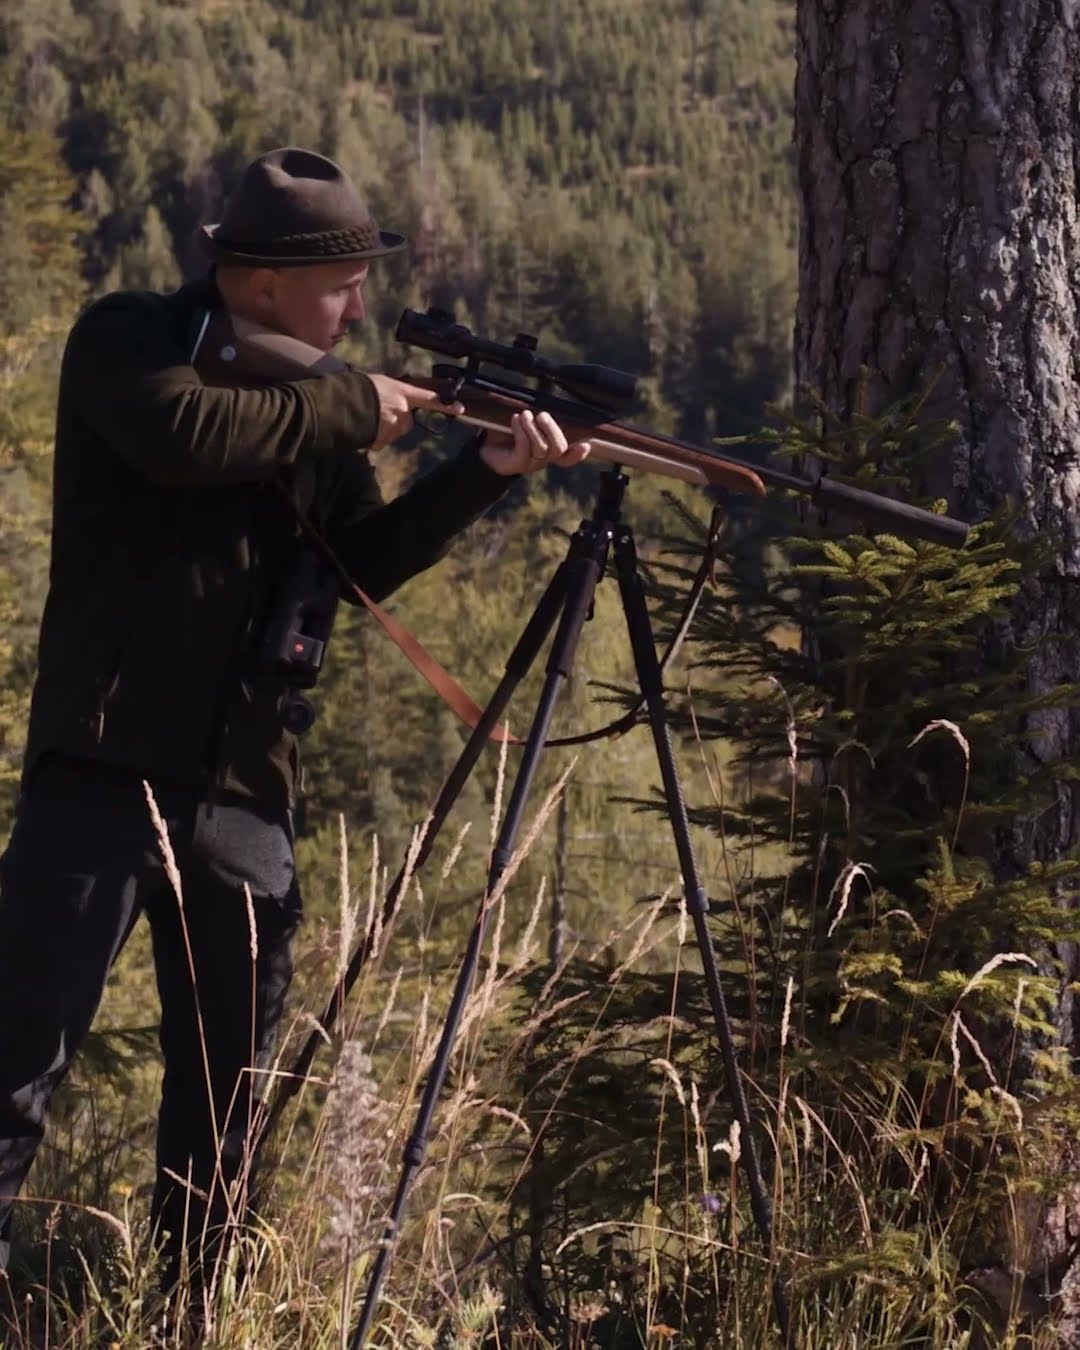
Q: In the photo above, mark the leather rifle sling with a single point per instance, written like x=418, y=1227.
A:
x=444, y=684
x=229, y=350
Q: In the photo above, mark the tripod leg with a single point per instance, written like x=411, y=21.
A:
x=650, y=680
x=585, y=565
x=518, y=664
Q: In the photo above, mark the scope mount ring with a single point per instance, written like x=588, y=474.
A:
x=458, y=379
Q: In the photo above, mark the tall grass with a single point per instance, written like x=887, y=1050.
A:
x=582, y=1184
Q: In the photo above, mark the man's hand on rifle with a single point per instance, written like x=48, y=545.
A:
x=534, y=442
x=396, y=403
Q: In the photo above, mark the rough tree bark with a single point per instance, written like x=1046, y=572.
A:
x=938, y=148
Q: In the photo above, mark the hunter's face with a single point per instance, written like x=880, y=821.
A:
x=316, y=304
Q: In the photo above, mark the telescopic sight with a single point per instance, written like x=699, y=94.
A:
x=601, y=388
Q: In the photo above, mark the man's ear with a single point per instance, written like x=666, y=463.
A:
x=264, y=288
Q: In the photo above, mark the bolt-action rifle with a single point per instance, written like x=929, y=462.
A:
x=588, y=400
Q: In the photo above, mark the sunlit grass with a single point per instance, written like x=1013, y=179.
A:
x=666, y=1253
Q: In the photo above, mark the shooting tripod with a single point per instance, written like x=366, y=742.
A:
x=568, y=599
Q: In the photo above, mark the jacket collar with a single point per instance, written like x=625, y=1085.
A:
x=202, y=293
x=195, y=302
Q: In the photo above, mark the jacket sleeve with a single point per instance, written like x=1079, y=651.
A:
x=127, y=376
x=382, y=544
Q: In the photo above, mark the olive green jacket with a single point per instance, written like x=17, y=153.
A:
x=170, y=544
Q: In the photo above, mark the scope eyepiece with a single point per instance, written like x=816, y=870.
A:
x=436, y=331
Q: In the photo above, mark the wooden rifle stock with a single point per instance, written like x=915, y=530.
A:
x=611, y=443
x=232, y=350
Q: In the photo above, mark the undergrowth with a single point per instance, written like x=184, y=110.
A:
x=890, y=969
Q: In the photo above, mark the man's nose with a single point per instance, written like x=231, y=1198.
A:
x=354, y=310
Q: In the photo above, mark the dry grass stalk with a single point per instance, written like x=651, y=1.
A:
x=672, y=1074
x=843, y=884
x=347, y=908
x=1001, y=959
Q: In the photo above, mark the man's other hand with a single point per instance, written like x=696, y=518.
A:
x=396, y=403
x=535, y=442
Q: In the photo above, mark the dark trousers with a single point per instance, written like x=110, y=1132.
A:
x=83, y=862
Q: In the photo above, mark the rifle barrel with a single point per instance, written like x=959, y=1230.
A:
x=644, y=448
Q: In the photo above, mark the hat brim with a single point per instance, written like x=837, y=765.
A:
x=388, y=243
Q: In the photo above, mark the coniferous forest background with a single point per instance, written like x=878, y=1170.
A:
x=617, y=178
x=614, y=178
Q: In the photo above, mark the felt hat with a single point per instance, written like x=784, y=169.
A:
x=293, y=207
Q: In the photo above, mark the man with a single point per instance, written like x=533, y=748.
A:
x=172, y=546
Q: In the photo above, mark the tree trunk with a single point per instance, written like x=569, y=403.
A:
x=938, y=150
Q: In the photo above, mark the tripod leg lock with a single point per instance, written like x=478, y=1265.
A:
x=415, y=1150
x=696, y=900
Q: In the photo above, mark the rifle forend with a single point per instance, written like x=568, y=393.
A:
x=611, y=442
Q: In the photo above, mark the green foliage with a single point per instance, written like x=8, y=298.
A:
x=39, y=290
x=615, y=176
x=39, y=255
x=876, y=710
x=558, y=169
